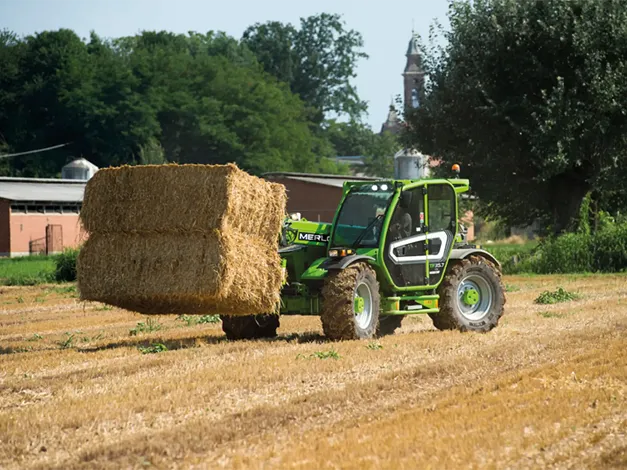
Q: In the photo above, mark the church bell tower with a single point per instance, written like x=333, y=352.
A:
x=414, y=74
x=408, y=163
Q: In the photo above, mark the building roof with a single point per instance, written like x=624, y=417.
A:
x=351, y=159
x=392, y=123
x=414, y=59
x=413, y=48
x=336, y=181
x=41, y=190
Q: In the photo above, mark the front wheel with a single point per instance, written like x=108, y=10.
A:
x=250, y=326
x=472, y=297
x=350, y=303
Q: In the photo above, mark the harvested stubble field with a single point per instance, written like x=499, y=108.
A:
x=546, y=389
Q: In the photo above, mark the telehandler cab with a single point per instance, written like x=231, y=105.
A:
x=394, y=248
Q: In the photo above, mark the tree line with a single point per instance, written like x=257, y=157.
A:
x=529, y=97
x=263, y=101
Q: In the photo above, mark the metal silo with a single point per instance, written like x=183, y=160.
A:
x=79, y=169
x=409, y=165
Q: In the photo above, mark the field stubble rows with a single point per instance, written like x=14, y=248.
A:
x=546, y=389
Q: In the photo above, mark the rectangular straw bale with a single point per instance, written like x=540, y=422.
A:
x=183, y=198
x=194, y=273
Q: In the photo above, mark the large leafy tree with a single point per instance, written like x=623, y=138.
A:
x=11, y=50
x=43, y=71
x=117, y=119
x=530, y=98
x=318, y=61
x=215, y=104
x=66, y=91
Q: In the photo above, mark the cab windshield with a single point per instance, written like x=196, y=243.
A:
x=364, y=208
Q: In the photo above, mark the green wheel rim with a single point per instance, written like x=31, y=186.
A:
x=475, y=296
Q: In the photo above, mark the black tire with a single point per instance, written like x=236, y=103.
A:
x=451, y=316
x=388, y=324
x=339, y=321
x=250, y=327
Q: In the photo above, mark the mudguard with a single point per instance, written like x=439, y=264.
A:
x=333, y=264
x=462, y=253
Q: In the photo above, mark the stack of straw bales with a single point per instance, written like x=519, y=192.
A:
x=194, y=239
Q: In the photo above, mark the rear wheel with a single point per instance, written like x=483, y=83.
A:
x=350, y=303
x=250, y=326
x=472, y=296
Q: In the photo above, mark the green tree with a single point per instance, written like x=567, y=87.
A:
x=66, y=91
x=356, y=139
x=529, y=98
x=11, y=49
x=215, y=104
x=118, y=121
x=379, y=159
x=50, y=67
x=317, y=61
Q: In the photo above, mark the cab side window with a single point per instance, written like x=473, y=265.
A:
x=441, y=208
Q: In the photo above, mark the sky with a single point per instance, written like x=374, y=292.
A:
x=386, y=27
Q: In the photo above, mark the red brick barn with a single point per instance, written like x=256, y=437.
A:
x=39, y=215
x=315, y=196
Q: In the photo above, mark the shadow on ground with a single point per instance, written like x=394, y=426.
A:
x=173, y=344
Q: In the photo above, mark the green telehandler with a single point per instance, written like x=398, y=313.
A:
x=394, y=248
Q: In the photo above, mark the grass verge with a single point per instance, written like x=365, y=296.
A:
x=27, y=271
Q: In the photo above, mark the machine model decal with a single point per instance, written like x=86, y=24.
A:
x=313, y=237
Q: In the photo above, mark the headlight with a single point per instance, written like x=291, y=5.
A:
x=339, y=253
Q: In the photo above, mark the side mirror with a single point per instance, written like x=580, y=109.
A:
x=405, y=200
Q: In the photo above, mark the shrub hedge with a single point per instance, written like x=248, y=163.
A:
x=65, y=265
x=602, y=251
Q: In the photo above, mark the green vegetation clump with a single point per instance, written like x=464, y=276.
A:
x=153, y=348
x=68, y=342
x=148, y=327
x=552, y=314
x=65, y=265
x=331, y=354
x=545, y=126
x=558, y=296
x=65, y=290
x=192, y=320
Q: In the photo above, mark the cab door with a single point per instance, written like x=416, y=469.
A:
x=404, y=251
x=441, y=228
